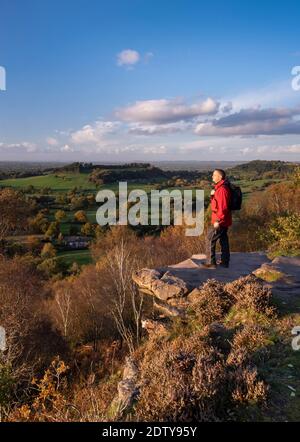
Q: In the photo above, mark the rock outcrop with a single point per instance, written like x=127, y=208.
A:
x=162, y=284
x=174, y=287
x=127, y=389
x=282, y=275
x=247, y=284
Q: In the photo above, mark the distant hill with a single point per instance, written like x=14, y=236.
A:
x=131, y=172
x=262, y=169
x=79, y=167
x=195, y=165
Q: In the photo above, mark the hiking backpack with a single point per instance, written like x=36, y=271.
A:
x=236, y=196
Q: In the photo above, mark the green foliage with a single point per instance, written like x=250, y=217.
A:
x=257, y=169
x=284, y=235
x=53, y=230
x=53, y=267
x=6, y=384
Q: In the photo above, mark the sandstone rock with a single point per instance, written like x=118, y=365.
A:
x=162, y=285
x=145, y=277
x=169, y=310
x=179, y=303
x=130, y=369
x=180, y=284
x=194, y=295
x=127, y=388
x=155, y=328
x=169, y=286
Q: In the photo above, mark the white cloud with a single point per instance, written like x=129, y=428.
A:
x=128, y=57
x=252, y=122
x=94, y=133
x=293, y=148
x=66, y=148
x=166, y=111
x=275, y=94
x=157, y=129
x=24, y=146
x=155, y=150
x=52, y=141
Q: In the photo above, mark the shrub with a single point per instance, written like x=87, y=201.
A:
x=211, y=302
x=284, y=235
x=48, y=251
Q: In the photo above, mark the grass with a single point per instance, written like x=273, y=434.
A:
x=81, y=257
x=56, y=182
x=67, y=181
x=63, y=182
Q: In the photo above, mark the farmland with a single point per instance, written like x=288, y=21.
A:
x=72, y=188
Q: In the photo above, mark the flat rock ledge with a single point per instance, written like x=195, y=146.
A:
x=171, y=285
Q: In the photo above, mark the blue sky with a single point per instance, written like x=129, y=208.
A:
x=124, y=80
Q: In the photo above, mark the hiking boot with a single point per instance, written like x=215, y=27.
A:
x=223, y=264
x=209, y=265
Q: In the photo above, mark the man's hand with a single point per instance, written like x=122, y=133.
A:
x=212, y=192
x=216, y=225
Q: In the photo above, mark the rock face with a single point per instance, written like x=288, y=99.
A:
x=282, y=276
x=127, y=389
x=155, y=328
x=174, y=287
x=163, y=285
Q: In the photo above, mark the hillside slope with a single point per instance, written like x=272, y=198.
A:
x=218, y=345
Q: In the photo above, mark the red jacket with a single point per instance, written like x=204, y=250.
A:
x=220, y=203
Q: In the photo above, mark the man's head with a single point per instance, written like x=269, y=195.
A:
x=218, y=175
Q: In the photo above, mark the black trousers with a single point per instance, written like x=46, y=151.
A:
x=215, y=235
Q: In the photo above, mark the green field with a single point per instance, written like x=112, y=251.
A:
x=82, y=257
x=56, y=182
x=69, y=220
x=67, y=181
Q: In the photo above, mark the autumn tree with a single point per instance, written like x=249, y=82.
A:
x=30, y=338
x=87, y=229
x=60, y=215
x=14, y=212
x=80, y=216
x=39, y=223
x=48, y=251
x=53, y=230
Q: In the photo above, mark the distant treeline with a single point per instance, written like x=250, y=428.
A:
x=262, y=169
x=136, y=171
x=18, y=169
x=89, y=167
x=132, y=172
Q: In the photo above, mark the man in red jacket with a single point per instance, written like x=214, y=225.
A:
x=220, y=219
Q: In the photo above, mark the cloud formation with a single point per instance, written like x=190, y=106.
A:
x=166, y=111
x=127, y=57
x=159, y=129
x=251, y=122
x=24, y=146
x=94, y=133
